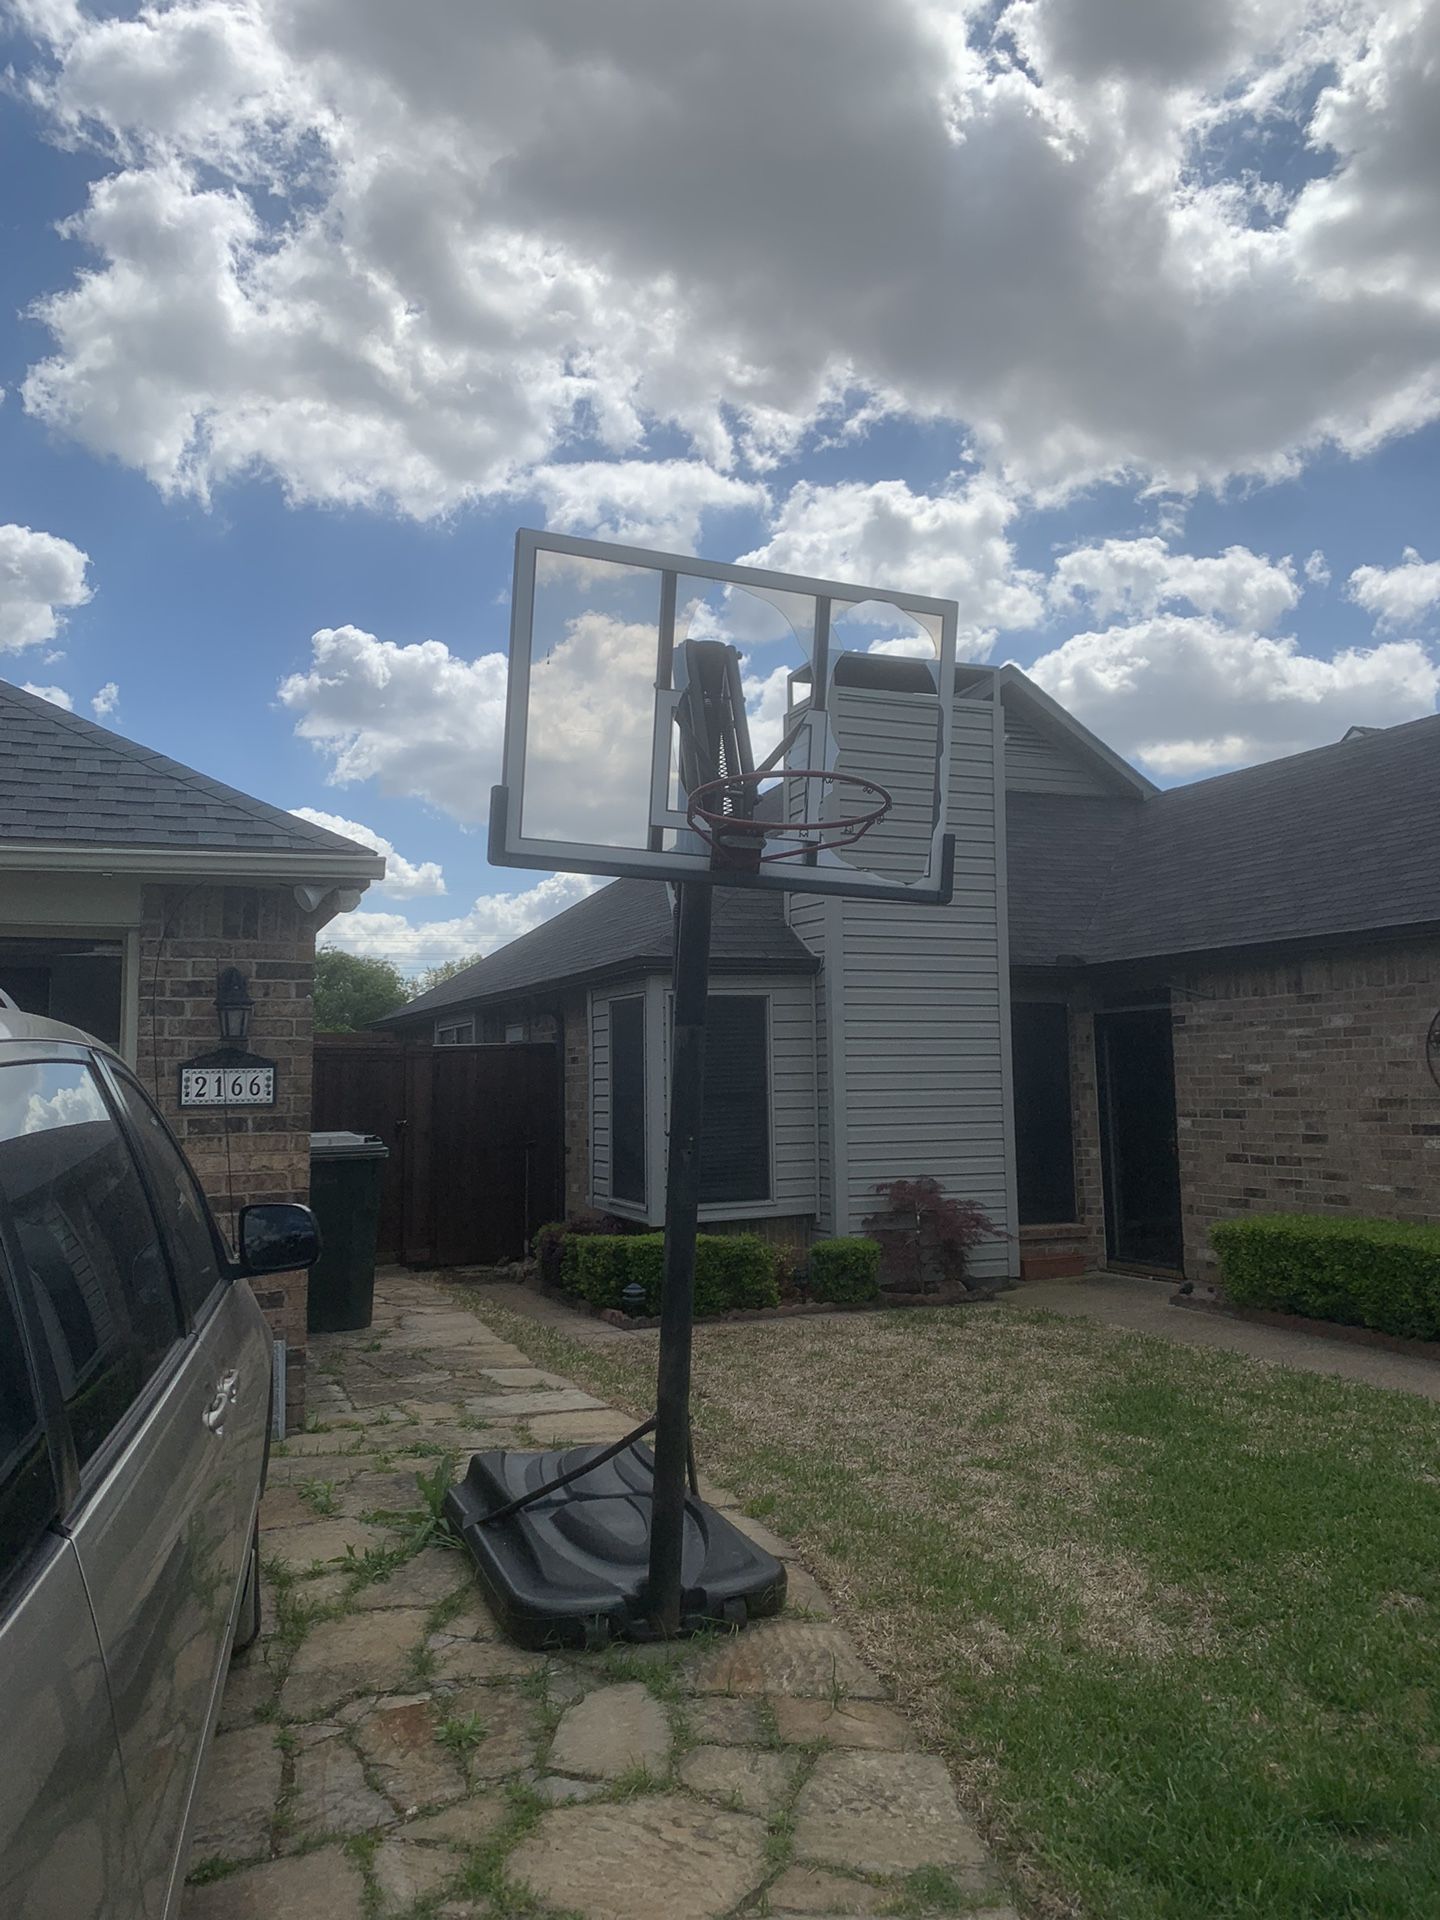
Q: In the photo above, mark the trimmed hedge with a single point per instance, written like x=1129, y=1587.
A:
x=845, y=1270
x=731, y=1270
x=1361, y=1273
x=550, y=1240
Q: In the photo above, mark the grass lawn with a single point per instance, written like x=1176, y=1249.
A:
x=1174, y=1617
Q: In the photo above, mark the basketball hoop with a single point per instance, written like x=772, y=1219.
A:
x=572, y=1546
x=722, y=813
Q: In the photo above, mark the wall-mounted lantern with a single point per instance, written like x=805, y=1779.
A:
x=234, y=1006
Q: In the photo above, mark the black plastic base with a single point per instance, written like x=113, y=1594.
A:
x=570, y=1569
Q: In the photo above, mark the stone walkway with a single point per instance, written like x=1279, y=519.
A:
x=384, y=1753
x=1143, y=1306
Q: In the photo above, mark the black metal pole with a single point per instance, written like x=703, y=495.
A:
x=677, y=1298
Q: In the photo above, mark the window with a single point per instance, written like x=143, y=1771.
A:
x=735, y=1131
x=88, y=1238
x=184, y=1215
x=1044, y=1144
x=514, y=1033
x=627, y=1100
x=27, y=1492
x=454, y=1033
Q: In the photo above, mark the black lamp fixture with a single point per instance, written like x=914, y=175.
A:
x=233, y=1004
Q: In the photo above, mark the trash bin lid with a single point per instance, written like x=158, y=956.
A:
x=348, y=1146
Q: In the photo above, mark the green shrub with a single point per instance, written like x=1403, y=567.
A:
x=845, y=1270
x=549, y=1241
x=731, y=1270
x=1362, y=1273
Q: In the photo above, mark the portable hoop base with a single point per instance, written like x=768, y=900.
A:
x=572, y=1568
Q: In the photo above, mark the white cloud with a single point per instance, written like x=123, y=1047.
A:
x=647, y=503
x=951, y=545
x=1135, y=578
x=57, y=696
x=493, y=920
x=409, y=255
x=41, y=576
x=1397, y=596
x=425, y=724
x=104, y=703
x=1187, y=695
x=418, y=720
x=404, y=879
x=1317, y=572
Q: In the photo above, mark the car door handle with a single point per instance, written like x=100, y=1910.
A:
x=226, y=1394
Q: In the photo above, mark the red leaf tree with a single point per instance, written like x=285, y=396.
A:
x=927, y=1238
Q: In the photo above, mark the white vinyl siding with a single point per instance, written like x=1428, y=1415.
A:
x=1034, y=763
x=915, y=1000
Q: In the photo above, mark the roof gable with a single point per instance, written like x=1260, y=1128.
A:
x=66, y=782
x=1030, y=711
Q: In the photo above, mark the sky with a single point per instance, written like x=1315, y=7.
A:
x=1117, y=321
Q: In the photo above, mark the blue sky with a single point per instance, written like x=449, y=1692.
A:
x=337, y=308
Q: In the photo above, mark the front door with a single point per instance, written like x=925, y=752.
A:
x=1139, y=1149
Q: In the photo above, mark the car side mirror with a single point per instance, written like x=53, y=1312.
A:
x=277, y=1237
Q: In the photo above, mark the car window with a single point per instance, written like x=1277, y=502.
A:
x=87, y=1235
x=183, y=1212
x=27, y=1492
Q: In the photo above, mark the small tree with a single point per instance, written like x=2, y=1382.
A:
x=435, y=976
x=926, y=1238
x=352, y=990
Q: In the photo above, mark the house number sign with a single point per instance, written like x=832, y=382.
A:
x=252, y=1085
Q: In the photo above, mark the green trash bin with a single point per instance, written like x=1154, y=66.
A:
x=346, y=1170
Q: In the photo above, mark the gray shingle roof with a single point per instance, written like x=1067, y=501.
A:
x=625, y=925
x=64, y=780
x=1343, y=839
x=1060, y=853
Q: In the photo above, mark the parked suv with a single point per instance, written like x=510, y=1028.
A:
x=135, y=1372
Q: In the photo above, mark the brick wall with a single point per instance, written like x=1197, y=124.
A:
x=575, y=1053
x=1085, y=1119
x=187, y=935
x=1059, y=1246
x=1303, y=1088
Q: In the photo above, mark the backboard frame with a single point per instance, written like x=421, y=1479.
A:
x=510, y=847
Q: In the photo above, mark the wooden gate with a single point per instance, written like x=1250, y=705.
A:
x=476, y=1141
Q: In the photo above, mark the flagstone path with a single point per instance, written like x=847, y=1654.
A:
x=385, y=1754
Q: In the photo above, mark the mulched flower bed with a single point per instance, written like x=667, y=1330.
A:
x=1302, y=1323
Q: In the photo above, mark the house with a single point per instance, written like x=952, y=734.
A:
x=1144, y=1011
x=128, y=883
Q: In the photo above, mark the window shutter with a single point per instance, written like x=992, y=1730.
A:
x=735, y=1132
x=627, y=1100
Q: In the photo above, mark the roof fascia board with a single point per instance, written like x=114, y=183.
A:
x=628, y=969
x=1052, y=718
x=1257, y=953
x=204, y=862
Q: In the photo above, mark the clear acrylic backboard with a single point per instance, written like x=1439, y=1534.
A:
x=855, y=684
